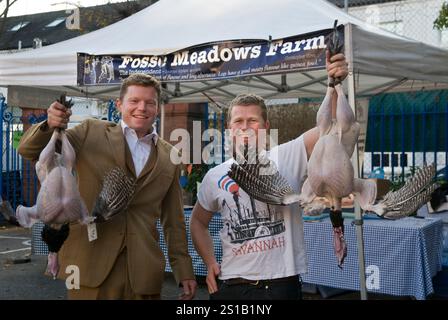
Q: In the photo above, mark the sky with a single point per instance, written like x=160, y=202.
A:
x=23, y=7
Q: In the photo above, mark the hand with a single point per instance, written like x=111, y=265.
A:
x=213, y=271
x=337, y=67
x=189, y=289
x=58, y=116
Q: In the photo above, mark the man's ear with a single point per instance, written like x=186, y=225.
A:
x=118, y=104
x=267, y=125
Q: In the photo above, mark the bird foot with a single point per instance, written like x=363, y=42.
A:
x=52, y=265
x=339, y=244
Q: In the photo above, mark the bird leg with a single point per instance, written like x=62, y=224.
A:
x=52, y=265
x=54, y=236
x=324, y=116
x=27, y=216
x=68, y=152
x=344, y=116
x=340, y=247
x=47, y=157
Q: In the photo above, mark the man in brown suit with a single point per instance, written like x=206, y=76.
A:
x=125, y=261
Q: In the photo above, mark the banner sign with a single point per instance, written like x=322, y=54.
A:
x=215, y=61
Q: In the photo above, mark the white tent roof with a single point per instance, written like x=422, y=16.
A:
x=380, y=58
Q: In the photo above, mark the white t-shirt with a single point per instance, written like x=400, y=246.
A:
x=259, y=241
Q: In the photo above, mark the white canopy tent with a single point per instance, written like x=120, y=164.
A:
x=380, y=59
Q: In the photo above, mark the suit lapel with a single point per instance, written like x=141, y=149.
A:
x=129, y=160
x=153, y=168
x=150, y=163
x=118, y=146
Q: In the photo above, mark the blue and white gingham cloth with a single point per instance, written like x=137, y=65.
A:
x=40, y=248
x=198, y=266
x=406, y=252
x=37, y=245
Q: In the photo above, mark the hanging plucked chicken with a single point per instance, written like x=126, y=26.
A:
x=331, y=174
x=59, y=201
x=330, y=170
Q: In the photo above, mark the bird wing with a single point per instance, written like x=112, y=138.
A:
x=407, y=208
x=263, y=182
x=116, y=194
x=415, y=192
x=419, y=181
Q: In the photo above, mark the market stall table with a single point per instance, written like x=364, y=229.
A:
x=402, y=256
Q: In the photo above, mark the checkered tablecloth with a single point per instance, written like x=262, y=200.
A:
x=37, y=245
x=40, y=248
x=198, y=266
x=406, y=254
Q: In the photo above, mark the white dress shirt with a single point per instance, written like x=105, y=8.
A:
x=140, y=148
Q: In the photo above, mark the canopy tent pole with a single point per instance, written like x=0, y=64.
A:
x=355, y=160
x=162, y=120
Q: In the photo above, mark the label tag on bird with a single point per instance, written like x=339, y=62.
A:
x=91, y=231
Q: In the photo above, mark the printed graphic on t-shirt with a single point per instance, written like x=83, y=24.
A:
x=245, y=220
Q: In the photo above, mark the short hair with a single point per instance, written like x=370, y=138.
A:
x=141, y=79
x=246, y=99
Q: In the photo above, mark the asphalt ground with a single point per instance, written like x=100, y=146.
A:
x=22, y=275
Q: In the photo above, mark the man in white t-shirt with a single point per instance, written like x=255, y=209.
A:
x=263, y=245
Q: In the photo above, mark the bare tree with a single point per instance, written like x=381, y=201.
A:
x=4, y=12
x=121, y=10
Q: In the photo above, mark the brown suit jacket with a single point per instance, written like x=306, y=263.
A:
x=99, y=147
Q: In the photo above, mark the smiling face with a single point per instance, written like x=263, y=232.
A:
x=139, y=107
x=245, y=121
